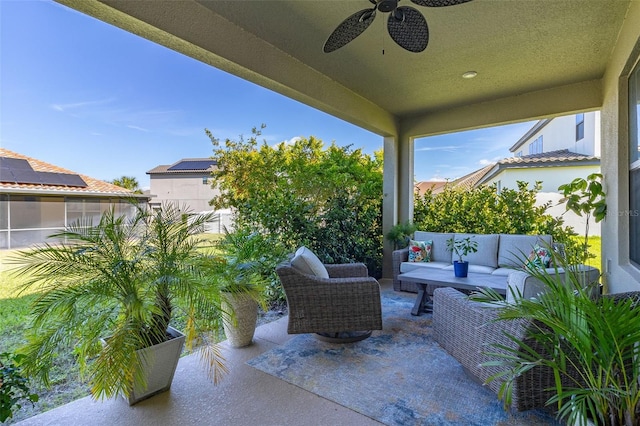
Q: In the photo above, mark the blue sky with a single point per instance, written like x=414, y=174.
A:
x=92, y=98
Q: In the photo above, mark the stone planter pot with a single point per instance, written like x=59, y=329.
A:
x=159, y=365
x=239, y=327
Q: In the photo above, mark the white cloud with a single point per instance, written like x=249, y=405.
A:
x=446, y=148
x=291, y=141
x=79, y=105
x=142, y=129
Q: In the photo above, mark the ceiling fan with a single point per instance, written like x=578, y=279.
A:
x=406, y=25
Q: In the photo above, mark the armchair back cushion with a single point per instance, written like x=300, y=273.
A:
x=308, y=263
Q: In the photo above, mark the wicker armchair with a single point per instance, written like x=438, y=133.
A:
x=344, y=307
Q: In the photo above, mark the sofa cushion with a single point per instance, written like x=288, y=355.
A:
x=420, y=251
x=487, y=254
x=308, y=263
x=425, y=266
x=540, y=257
x=515, y=248
x=439, y=252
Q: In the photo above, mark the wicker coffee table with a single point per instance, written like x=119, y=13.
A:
x=446, y=278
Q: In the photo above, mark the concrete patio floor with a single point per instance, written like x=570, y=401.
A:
x=246, y=396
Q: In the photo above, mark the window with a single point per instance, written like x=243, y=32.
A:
x=634, y=166
x=205, y=180
x=579, y=126
x=535, y=147
x=519, y=154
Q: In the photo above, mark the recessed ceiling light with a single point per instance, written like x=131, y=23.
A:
x=469, y=74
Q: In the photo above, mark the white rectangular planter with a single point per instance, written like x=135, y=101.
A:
x=162, y=361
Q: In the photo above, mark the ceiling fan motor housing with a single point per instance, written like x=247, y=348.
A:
x=387, y=5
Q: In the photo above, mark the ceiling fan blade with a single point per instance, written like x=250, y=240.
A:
x=408, y=28
x=349, y=29
x=439, y=3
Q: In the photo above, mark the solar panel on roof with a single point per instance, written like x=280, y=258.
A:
x=15, y=163
x=26, y=176
x=61, y=179
x=192, y=165
x=75, y=180
x=6, y=175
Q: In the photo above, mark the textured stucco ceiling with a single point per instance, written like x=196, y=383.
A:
x=516, y=46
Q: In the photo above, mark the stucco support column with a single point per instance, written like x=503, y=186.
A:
x=389, y=200
x=397, y=204
x=406, y=178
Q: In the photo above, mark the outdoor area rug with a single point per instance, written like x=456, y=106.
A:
x=398, y=376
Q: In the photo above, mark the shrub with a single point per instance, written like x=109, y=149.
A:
x=303, y=194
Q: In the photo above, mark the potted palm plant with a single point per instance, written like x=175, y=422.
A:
x=123, y=280
x=461, y=247
x=588, y=344
x=245, y=267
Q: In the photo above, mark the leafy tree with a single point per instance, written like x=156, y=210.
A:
x=586, y=196
x=128, y=182
x=303, y=194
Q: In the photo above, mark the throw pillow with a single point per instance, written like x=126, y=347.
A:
x=308, y=263
x=420, y=251
x=540, y=257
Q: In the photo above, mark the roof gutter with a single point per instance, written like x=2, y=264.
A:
x=67, y=192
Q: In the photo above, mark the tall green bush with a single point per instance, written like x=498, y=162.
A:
x=484, y=210
x=303, y=194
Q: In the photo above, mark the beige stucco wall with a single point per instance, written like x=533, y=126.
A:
x=184, y=189
x=620, y=274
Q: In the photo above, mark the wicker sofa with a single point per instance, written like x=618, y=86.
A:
x=498, y=254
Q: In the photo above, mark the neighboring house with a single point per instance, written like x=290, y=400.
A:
x=38, y=198
x=554, y=151
x=187, y=183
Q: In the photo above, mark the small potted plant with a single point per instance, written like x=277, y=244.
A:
x=461, y=247
x=400, y=234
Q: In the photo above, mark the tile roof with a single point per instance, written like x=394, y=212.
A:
x=546, y=159
x=560, y=156
x=94, y=186
x=165, y=169
x=435, y=186
x=470, y=180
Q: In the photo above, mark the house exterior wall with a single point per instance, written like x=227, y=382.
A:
x=619, y=273
x=551, y=177
x=560, y=133
x=185, y=189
